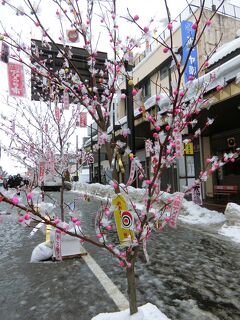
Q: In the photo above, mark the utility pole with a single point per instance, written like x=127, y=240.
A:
x=130, y=117
x=130, y=111
x=99, y=165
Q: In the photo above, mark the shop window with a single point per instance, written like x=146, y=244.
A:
x=163, y=73
x=147, y=90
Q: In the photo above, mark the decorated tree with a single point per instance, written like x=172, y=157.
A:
x=94, y=92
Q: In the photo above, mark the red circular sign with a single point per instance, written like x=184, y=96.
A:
x=72, y=35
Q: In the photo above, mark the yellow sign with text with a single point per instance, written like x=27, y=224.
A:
x=189, y=148
x=123, y=220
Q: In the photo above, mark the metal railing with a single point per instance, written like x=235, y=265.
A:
x=227, y=9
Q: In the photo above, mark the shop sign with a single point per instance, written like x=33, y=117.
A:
x=189, y=148
x=187, y=38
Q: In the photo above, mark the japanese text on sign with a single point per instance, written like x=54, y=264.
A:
x=16, y=80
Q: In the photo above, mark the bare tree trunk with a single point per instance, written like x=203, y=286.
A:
x=62, y=200
x=131, y=281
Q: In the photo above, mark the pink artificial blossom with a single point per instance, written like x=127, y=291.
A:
x=134, y=92
x=56, y=221
x=182, y=93
x=165, y=50
x=29, y=196
x=99, y=235
x=157, y=128
x=115, y=185
x=145, y=29
x=206, y=64
x=170, y=26
x=219, y=88
x=136, y=17
x=194, y=26
x=123, y=96
x=107, y=212
x=78, y=223
x=148, y=182
x=158, y=98
x=155, y=135
x=20, y=219
x=109, y=227
x=74, y=219
x=110, y=246
x=190, y=77
x=27, y=216
x=168, y=128
x=122, y=264
x=15, y=200
x=208, y=23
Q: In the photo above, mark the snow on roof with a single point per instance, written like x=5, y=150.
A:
x=225, y=50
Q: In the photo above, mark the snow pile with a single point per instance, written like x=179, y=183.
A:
x=232, y=213
x=232, y=232
x=224, y=50
x=231, y=228
x=194, y=214
x=41, y=252
x=146, y=312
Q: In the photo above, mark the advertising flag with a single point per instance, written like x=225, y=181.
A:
x=187, y=38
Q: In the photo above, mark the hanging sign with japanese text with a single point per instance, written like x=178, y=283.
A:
x=187, y=38
x=57, y=114
x=83, y=119
x=65, y=99
x=16, y=80
x=178, y=144
x=41, y=171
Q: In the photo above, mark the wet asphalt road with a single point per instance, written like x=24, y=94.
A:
x=191, y=275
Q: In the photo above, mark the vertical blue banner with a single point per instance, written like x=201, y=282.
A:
x=187, y=37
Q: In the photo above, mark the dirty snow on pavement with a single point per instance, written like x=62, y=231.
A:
x=190, y=213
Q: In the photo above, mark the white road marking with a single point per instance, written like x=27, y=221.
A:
x=112, y=290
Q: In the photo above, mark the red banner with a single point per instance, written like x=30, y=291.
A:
x=41, y=171
x=65, y=99
x=57, y=114
x=131, y=174
x=57, y=245
x=176, y=206
x=83, y=119
x=178, y=143
x=16, y=80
